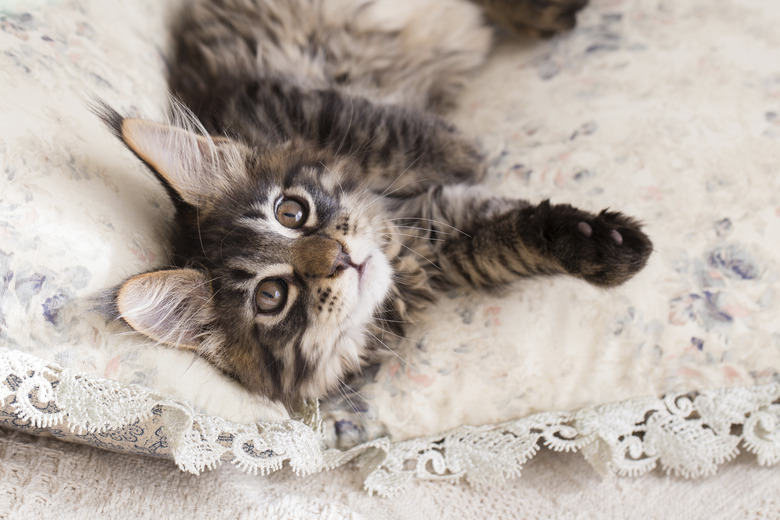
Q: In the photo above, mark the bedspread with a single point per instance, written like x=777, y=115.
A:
x=667, y=112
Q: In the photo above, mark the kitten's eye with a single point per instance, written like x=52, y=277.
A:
x=271, y=296
x=291, y=213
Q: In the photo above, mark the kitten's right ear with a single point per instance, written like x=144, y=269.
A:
x=171, y=306
x=194, y=167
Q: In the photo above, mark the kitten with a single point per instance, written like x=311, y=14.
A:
x=322, y=202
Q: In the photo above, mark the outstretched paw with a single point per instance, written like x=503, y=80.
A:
x=537, y=17
x=605, y=249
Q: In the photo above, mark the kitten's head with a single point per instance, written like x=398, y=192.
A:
x=279, y=259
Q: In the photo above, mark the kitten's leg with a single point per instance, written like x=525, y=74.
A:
x=482, y=241
x=535, y=17
x=419, y=53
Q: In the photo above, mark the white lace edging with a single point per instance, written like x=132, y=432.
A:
x=686, y=434
x=52, y=397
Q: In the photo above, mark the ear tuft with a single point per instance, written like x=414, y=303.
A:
x=110, y=117
x=193, y=166
x=171, y=306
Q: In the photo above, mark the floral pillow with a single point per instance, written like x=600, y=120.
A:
x=607, y=116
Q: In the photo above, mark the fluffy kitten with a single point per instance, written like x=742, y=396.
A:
x=323, y=202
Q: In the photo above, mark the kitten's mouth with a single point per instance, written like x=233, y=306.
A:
x=361, y=269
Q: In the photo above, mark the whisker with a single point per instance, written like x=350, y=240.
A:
x=401, y=174
x=418, y=236
x=349, y=125
x=351, y=404
x=352, y=390
x=416, y=253
x=431, y=220
x=386, y=320
x=419, y=228
x=386, y=194
x=404, y=338
x=392, y=351
x=200, y=236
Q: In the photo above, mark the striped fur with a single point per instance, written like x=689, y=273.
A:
x=333, y=104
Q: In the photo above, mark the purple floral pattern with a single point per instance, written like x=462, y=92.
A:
x=615, y=114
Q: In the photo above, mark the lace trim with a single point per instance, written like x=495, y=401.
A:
x=689, y=435
x=38, y=394
x=686, y=434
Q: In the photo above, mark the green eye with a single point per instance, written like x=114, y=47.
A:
x=271, y=296
x=291, y=213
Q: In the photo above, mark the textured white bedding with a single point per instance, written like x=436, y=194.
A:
x=668, y=112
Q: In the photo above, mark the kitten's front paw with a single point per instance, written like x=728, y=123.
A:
x=605, y=249
x=537, y=17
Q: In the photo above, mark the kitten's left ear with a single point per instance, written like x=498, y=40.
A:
x=198, y=168
x=194, y=167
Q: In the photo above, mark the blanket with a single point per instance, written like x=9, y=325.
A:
x=668, y=112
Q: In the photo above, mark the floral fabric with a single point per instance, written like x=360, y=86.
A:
x=650, y=109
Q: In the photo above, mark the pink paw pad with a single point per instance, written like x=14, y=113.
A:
x=585, y=229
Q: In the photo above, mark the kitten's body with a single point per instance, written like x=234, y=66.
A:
x=329, y=107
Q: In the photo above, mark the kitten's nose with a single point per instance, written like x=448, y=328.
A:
x=319, y=257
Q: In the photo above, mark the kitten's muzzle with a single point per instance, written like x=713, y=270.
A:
x=320, y=257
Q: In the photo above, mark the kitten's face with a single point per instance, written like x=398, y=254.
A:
x=297, y=270
x=286, y=255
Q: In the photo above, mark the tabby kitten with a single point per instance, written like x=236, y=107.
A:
x=320, y=200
